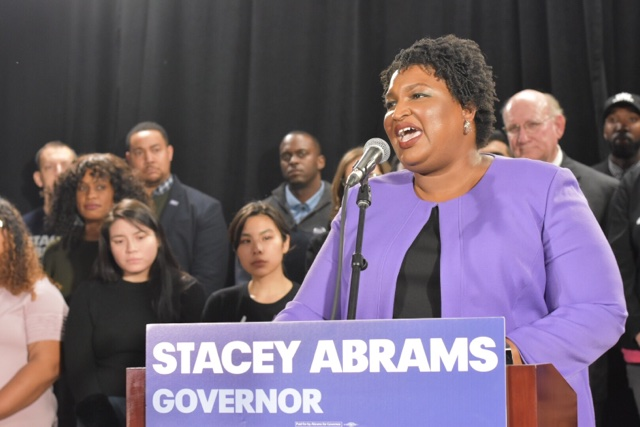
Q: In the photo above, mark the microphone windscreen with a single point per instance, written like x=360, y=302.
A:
x=382, y=144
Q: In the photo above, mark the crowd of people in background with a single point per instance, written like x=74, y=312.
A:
x=121, y=243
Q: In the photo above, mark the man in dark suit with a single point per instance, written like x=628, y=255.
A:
x=621, y=130
x=534, y=123
x=192, y=221
x=303, y=199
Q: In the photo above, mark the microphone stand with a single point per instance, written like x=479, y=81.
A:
x=358, y=263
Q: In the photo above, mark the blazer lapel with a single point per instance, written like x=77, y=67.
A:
x=173, y=205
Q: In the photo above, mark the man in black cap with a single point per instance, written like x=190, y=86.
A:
x=622, y=133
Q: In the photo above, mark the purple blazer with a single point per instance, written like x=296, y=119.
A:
x=522, y=244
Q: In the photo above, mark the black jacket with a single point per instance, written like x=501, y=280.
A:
x=197, y=233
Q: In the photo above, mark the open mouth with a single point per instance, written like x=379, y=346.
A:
x=621, y=137
x=405, y=134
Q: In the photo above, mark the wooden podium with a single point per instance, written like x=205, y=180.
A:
x=135, y=397
x=537, y=396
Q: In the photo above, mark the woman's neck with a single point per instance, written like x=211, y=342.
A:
x=455, y=181
x=136, y=278
x=92, y=230
x=269, y=289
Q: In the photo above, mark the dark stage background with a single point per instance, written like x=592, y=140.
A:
x=228, y=78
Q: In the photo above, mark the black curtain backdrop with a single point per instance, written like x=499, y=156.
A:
x=228, y=78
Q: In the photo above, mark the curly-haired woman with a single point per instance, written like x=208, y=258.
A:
x=32, y=312
x=83, y=197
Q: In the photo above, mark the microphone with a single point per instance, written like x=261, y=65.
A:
x=376, y=151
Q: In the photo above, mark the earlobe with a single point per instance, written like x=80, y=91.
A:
x=560, y=123
x=469, y=113
x=321, y=162
x=37, y=178
x=285, y=245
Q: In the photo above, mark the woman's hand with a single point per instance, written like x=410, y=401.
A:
x=515, y=353
x=33, y=379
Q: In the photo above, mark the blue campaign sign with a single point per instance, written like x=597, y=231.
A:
x=427, y=372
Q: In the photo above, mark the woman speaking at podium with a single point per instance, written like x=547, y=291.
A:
x=462, y=234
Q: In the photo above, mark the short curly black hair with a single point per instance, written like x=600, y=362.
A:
x=65, y=220
x=142, y=126
x=461, y=65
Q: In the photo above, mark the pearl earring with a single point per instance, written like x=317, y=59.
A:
x=467, y=127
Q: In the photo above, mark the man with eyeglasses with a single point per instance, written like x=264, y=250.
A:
x=534, y=123
x=621, y=130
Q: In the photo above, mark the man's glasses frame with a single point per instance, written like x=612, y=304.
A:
x=529, y=127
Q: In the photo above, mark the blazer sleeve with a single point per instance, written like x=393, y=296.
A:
x=582, y=286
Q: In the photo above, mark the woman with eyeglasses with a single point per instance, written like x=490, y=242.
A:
x=458, y=233
x=32, y=312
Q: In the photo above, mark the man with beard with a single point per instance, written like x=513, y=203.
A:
x=622, y=133
x=193, y=222
x=304, y=199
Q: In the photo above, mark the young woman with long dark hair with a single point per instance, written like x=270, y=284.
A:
x=138, y=282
